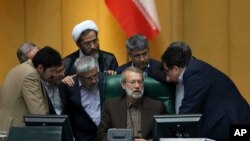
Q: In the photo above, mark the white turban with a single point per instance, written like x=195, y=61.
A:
x=79, y=28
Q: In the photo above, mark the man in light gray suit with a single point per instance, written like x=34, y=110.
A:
x=22, y=92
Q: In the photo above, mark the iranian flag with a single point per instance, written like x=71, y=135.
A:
x=135, y=16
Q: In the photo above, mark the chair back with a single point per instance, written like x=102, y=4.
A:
x=152, y=88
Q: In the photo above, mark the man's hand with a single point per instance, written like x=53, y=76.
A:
x=110, y=72
x=68, y=80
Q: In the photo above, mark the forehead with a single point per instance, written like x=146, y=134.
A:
x=139, y=51
x=90, y=35
x=88, y=73
x=131, y=75
x=54, y=68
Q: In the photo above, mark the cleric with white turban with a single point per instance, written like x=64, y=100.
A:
x=79, y=28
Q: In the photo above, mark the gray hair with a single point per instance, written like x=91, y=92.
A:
x=137, y=42
x=132, y=69
x=85, y=64
x=22, y=51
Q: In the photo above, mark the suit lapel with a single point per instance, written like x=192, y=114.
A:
x=76, y=94
x=122, y=115
x=144, y=115
x=101, y=62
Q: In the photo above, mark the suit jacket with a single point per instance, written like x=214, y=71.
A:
x=106, y=61
x=21, y=94
x=115, y=115
x=83, y=127
x=212, y=93
x=154, y=71
x=63, y=98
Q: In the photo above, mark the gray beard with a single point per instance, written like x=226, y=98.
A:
x=95, y=55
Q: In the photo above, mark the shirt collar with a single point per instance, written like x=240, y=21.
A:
x=181, y=75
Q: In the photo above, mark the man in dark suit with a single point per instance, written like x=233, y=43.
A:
x=85, y=98
x=203, y=89
x=132, y=110
x=57, y=100
x=85, y=34
x=138, y=50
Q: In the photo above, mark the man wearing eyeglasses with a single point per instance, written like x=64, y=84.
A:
x=138, y=50
x=133, y=110
x=85, y=98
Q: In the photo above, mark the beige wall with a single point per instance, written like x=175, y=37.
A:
x=216, y=30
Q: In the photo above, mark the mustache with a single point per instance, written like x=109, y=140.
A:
x=137, y=91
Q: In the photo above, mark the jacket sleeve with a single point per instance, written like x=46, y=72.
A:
x=33, y=94
x=105, y=124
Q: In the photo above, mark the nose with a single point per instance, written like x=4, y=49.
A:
x=94, y=80
x=168, y=79
x=92, y=45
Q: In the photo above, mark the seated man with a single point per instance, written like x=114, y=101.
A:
x=132, y=110
x=138, y=50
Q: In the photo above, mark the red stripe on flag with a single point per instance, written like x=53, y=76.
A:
x=130, y=18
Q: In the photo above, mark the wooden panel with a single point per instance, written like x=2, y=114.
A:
x=11, y=33
x=74, y=12
x=206, y=31
x=44, y=23
x=239, y=45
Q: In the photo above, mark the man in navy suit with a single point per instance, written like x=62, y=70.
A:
x=201, y=88
x=85, y=99
x=138, y=50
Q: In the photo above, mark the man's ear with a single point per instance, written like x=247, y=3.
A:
x=123, y=85
x=40, y=68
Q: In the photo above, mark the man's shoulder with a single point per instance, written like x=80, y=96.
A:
x=25, y=68
x=151, y=100
x=105, y=53
x=75, y=54
x=123, y=67
x=155, y=63
x=115, y=100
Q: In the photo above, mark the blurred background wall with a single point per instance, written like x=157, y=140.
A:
x=218, y=31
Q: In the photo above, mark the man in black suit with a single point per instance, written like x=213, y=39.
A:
x=138, y=50
x=85, y=35
x=201, y=88
x=85, y=99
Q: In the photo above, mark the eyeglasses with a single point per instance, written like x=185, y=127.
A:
x=139, y=56
x=89, y=43
x=94, y=77
x=60, y=71
x=133, y=82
